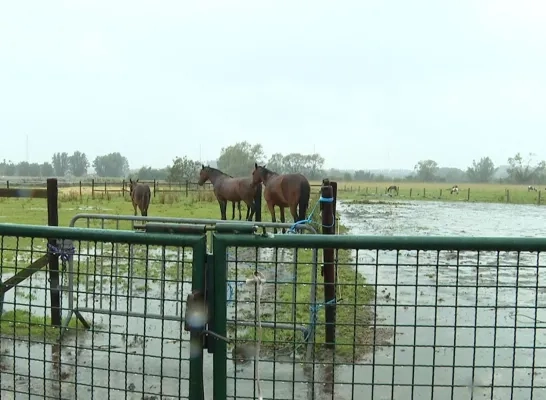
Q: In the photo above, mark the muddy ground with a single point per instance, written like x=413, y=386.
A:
x=138, y=352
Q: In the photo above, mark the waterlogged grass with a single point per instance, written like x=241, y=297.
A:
x=353, y=332
x=105, y=264
x=21, y=323
x=473, y=192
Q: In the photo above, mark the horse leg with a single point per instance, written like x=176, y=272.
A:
x=223, y=206
x=249, y=210
x=294, y=212
x=271, y=208
x=239, y=207
x=135, y=207
x=233, y=213
x=282, y=218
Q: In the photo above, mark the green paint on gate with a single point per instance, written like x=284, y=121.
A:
x=222, y=241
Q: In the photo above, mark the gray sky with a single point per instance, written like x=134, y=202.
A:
x=366, y=84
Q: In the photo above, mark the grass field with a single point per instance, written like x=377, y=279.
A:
x=202, y=204
x=197, y=205
x=474, y=192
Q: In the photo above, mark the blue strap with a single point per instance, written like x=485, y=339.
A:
x=64, y=255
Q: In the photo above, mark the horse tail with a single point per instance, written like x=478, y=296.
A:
x=146, y=197
x=305, y=194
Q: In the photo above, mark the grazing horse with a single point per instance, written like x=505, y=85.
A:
x=286, y=190
x=140, y=196
x=454, y=189
x=532, y=188
x=227, y=188
x=393, y=187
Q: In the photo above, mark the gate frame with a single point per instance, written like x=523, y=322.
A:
x=154, y=224
x=51, y=258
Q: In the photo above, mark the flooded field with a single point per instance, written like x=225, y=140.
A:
x=136, y=358
x=429, y=280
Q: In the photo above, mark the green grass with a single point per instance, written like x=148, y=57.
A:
x=473, y=192
x=354, y=336
x=21, y=323
x=200, y=205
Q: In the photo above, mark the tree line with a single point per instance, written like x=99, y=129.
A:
x=519, y=170
x=239, y=158
x=63, y=164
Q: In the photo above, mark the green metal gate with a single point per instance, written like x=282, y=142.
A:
x=415, y=317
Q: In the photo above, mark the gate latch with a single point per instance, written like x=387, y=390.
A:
x=197, y=316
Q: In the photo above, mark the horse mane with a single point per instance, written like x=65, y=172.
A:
x=217, y=170
x=268, y=171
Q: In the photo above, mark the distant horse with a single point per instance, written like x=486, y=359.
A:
x=227, y=188
x=286, y=190
x=392, y=187
x=531, y=188
x=454, y=189
x=140, y=196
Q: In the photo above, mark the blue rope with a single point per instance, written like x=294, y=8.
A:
x=314, y=316
x=64, y=255
x=309, y=219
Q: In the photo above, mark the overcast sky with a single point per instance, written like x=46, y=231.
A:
x=367, y=84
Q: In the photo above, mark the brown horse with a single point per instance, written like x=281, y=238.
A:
x=392, y=187
x=286, y=190
x=140, y=196
x=239, y=208
x=227, y=188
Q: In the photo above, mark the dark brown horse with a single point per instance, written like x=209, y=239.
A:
x=286, y=190
x=140, y=196
x=227, y=188
x=239, y=208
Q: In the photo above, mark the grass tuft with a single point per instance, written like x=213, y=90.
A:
x=21, y=323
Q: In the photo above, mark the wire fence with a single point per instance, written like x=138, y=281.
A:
x=411, y=318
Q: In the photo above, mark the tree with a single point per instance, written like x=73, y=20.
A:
x=481, y=171
x=111, y=165
x=60, y=163
x=426, y=170
x=149, y=173
x=450, y=174
x=276, y=163
x=78, y=164
x=239, y=159
x=46, y=169
x=362, y=175
x=184, y=169
x=8, y=168
x=310, y=165
x=524, y=171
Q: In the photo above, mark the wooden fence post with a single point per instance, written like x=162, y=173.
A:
x=468, y=195
x=187, y=187
x=53, y=262
x=93, y=188
x=329, y=268
x=81, y=193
